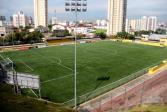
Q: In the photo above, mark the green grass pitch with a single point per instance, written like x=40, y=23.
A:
x=55, y=65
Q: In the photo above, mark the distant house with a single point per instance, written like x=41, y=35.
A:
x=58, y=27
x=5, y=30
x=157, y=37
x=83, y=30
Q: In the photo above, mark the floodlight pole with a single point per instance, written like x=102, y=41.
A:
x=75, y=41
x=75, y=67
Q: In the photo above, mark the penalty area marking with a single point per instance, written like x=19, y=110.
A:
x=58, y=61
x=27, y=65
x=57, y=78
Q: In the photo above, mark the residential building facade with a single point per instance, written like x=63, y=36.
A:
x=4, y=28
x=101, y=24
x=54, y=20
x=20, y=19
x=152, y=23
x=41, y=13
x=116, y=16
x=145, y=23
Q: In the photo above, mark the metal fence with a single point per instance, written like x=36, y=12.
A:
x=151, y=90
x=109, y=87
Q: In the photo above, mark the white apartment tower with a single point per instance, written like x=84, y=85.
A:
x=144, y=23
x=152, y=23
x=116, y=16
x=20, y=20
x=41, y=13
x=133, y=25
x=54, y=20
x=149, y=23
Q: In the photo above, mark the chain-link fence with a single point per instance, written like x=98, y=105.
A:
x=150, y=91
x=104, y=89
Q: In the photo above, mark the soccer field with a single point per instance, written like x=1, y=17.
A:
x=55, y=65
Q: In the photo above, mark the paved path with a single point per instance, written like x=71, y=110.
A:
x=145, y=89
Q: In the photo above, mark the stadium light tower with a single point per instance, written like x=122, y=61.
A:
x=75, y=6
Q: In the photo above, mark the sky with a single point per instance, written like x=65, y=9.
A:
x=97, y=9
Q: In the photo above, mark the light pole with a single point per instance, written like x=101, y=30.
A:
x=75, y=6
x=55, y=17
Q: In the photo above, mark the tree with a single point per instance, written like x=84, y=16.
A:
x=1, y=41
x=21, y=27
x=50, y=28
x=143, y=32
x=10, y=38
x=80, y=36
x=35, y=36
x=23, y=37
x=122, y=35
x=131, y=37
x=101, y=35
x=27, y=28
x=61, y=33
x=160, y=31
x=66, y=32
x=125, y=35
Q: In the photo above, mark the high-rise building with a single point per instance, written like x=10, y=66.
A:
x=133, y=25
x=30, y=20
x=138, y=24
x=152, y=23
x=145, y=23
x=4, y=28
x=101, y=22
x=41, y=13
x=149, y=23
x=116, y=16
x=54, y=20
x=2, y=20
x=20, y=20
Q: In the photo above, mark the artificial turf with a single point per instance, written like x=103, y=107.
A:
x=105, y=58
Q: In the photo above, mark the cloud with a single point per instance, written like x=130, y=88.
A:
x=138, y=8
x=96, y=8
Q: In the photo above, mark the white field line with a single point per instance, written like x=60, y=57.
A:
x=33, y=92
x=66, y=67
x=58, y=59
x=2, y=56
x=27, y=65
x=113, y=53
x=143, y=78
x=59, y=63
x=22, y=63
x=114, y=83
x=57, y=78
